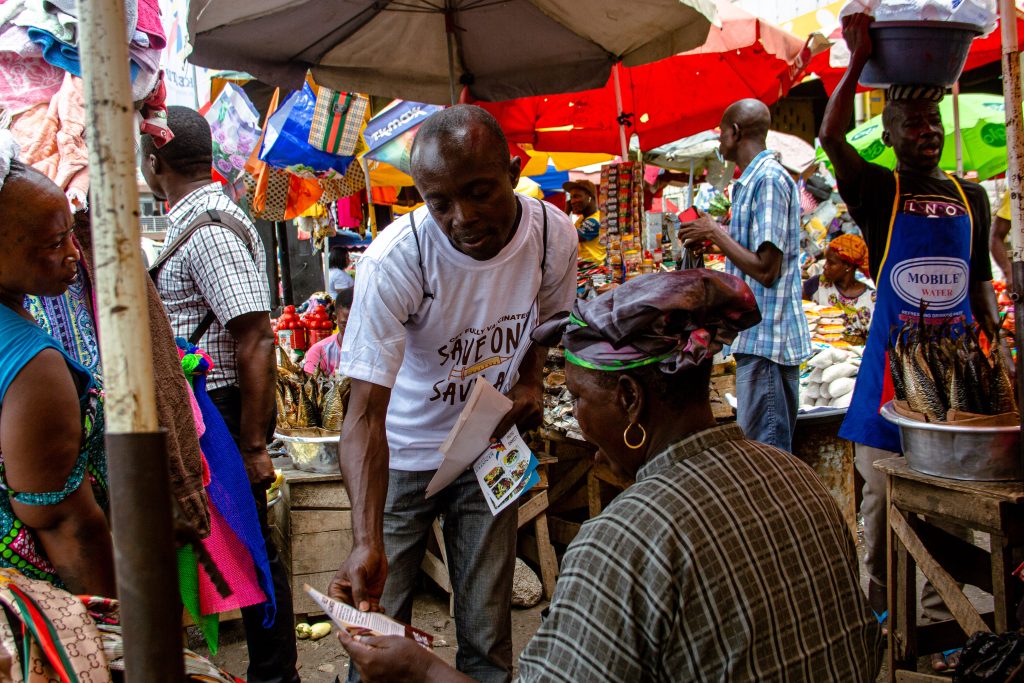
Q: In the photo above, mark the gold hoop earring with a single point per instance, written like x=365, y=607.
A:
x=643, y=434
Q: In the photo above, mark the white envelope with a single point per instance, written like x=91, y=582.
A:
x=470, y=436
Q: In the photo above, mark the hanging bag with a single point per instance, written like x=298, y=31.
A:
x=337, y=121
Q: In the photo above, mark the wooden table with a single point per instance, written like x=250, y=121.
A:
x=996, y=508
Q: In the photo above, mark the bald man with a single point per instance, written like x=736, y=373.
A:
x=762, y=246
x=446, y=296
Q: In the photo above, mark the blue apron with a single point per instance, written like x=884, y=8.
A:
x=925, y=258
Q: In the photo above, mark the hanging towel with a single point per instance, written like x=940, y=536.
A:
x=61, y=54
x=26, y=79
x=150, y=24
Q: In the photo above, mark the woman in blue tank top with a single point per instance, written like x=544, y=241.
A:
x=52, y=464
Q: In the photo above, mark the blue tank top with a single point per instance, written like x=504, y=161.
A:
x=21, y=340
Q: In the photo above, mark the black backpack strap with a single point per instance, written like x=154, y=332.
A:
x=209, y=217
x=544, y=253
x=427, y=294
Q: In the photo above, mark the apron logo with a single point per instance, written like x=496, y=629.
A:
x=942, y=282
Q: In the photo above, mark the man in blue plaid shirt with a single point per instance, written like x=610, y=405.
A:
x=762, y=247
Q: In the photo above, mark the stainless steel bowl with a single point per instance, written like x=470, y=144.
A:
x=312, y=453
x=959, y=452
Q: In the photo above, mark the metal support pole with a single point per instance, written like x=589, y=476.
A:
x=285, y=259
x=1015, y=152
x=618, y=112
x=449, y=34
x=144, y=554
x=958, y=137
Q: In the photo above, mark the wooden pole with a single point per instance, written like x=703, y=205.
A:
x=1015, y=153
x=144, y=551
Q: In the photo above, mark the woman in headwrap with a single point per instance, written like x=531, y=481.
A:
x=52, y=463
x=726, y=560
x=839, y=287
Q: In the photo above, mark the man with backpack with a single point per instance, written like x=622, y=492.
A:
x=446, y=296
x=211, y=280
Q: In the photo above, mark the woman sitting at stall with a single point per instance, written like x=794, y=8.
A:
x=52, y=463
x=727, y=560
x=839, y=287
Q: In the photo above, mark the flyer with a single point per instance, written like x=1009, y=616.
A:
x=367, y=623
x=506, y=470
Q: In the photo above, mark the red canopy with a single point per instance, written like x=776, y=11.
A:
x=665, y=100
x=983, y=51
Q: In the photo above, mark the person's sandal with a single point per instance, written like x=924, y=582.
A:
x=946, y=661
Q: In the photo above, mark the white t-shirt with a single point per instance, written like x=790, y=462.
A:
x=339, y=280
x=430, y=351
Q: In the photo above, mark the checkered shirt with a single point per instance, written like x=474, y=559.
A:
x=726, y=561
x=215, y=271
x=766, y=208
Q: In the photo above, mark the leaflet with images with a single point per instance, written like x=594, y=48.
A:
x=506, y=470
x=367, y=623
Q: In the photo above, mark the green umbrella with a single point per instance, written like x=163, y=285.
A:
x=982, y=131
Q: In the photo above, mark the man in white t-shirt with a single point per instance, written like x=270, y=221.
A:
x=445, y=296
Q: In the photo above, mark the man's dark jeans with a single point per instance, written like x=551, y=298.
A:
x=272, y=653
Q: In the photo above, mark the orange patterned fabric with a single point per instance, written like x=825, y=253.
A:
x=851, y=249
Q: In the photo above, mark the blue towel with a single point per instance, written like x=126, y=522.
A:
x=229, y=489
x=62, y=55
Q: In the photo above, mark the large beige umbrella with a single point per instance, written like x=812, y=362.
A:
x=425, y=50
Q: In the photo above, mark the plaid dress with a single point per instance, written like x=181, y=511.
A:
x=726, y=561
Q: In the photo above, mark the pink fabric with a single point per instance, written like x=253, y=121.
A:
x=150, y=24
x=321, y=352
x=235, y=563
x=350, y=211
x=53, y=141
x=26, y=79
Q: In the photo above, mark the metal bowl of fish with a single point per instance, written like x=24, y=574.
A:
x=311, y=450
x=957, y=451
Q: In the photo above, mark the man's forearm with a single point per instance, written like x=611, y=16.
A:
x=752, y=264
x=364, y=459
x=256, y=384
x=531, y=370
x=985, y=308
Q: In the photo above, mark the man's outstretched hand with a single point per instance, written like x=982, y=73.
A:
x=360, y=579
x=858, y=40
x=387, y=659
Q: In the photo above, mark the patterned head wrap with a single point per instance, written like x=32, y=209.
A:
x=9, y=150
x=902, y=93
x=677, y=320
x=851, y=249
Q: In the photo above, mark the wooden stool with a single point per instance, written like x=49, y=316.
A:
x=599, y=479
x=996, y=508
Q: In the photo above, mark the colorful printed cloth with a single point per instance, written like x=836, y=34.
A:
x=69, y=319
x=856, y=311
x=49, y=635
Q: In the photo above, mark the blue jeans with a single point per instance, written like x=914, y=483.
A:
x=481, y=561
x=767, y=400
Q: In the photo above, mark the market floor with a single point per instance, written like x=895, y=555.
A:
x=322, y=660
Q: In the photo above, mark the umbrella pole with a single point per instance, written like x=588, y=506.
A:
x=689, y=185
x=140, y=500
x=449, y=33
x=1015, y=149
x=618, y=112
x=957, y=134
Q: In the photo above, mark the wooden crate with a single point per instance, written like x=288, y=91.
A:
x=312, y=528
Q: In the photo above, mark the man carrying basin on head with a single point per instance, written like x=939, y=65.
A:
x=922, y=227
x=447, y=295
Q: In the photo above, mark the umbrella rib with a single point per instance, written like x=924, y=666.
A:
x=361, y=18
